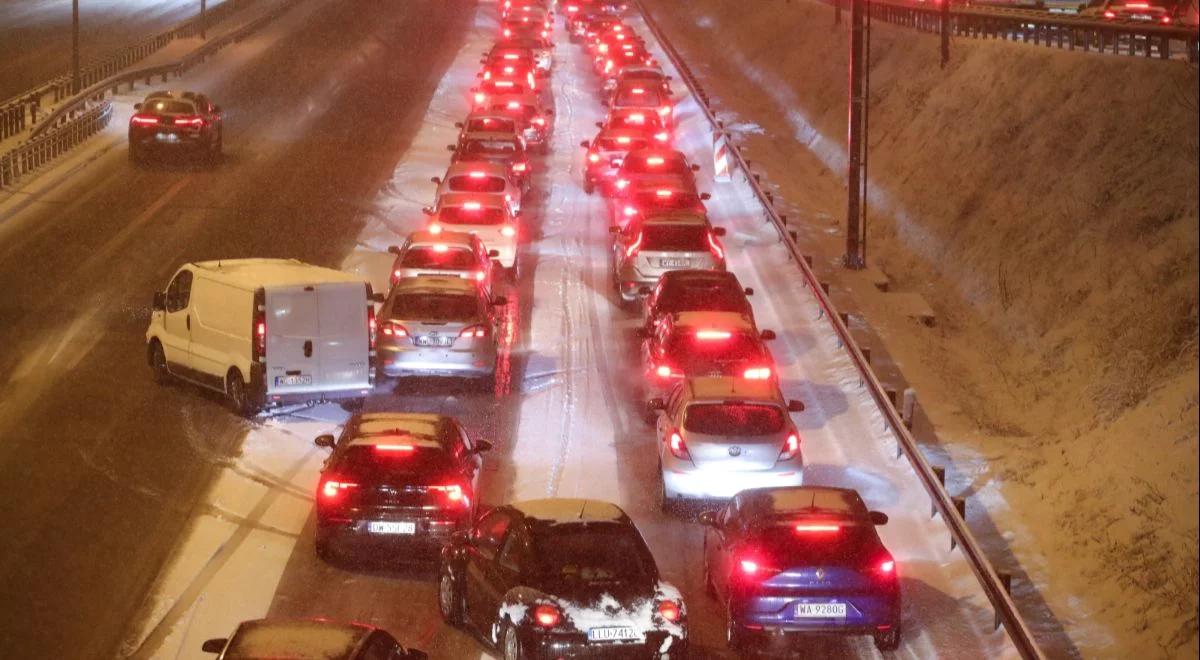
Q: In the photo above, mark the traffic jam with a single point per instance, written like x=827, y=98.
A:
x=784, y=557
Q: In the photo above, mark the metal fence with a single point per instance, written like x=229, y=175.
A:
x=23, y=111
x=82, y=115
x=952, y=509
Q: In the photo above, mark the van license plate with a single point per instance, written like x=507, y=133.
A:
x=821, y=611
x=302, y=379
x=673, y=263
x=612, y=634
x=385, y=527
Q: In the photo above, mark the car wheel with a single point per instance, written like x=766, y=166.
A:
x=450, y=599
x=589, y=187
x=236, y=395
x=512, y=644
x=158, y=363
x=890, y=640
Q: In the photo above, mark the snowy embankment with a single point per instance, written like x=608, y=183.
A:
x=1045, y=203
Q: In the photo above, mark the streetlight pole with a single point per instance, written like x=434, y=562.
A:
x=854, y=253
x=74, y=46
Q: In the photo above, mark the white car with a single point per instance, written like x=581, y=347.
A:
x=265, y=332
x=489, y=217
x=482, y=178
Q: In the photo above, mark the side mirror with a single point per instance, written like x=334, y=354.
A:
x=427, y=210
x=482, y=446
x=768, y=335
x=878, y=518
x=493, y=254
x=450, y=147
x=437, y=180
x=378, y=297
x=695, y=168
x=795, y=405
x=585, y=144
x=707, y=518
x=749, y=291
x=643, y=290
x=137, y=106
x=214, y=645
x=325, y=440
x=599, y=124
x=705, y=196
x=499, y=301
x=718, y=231
x=160, y=301
x=656, y=404
x=394, y=249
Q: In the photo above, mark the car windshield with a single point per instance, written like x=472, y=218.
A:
x=590, y=553
x=702, y=356
x=168, y=107
x=734, y=419
x=638, y=96
x=476, y=183
x=435, y=307
x=620, y=143
x=490, y=148
x=459, y=215
x=370, y=464
x=674, y=237
x=429, y=256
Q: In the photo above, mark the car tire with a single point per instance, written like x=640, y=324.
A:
x=890, y=640
x=450, y=598
x=511, y=643
x=237, y=397
x=158, y=363
x=589, y=187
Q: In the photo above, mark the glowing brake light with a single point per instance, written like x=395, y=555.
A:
x=513, y=105
x=791, y=447
x=391, y=329
x=630, y=211
x=887, y=566
x=655, y=161
x=440, y=247
x=546, y=616
x=1138, y=5
x=663, y=371
x=670, y=610
x=435, y=229
x=189, y=121
x=480, y=97
x=661, y=137
x=508, y=231
x=621, y=183
x=662, y=193
x=748, y=566
x=503, y=83
x=454, y=493
x=638, y=90
x=511, y=56
x=1108, y=13
x=678, y=447
x=396, y=448
x=664, y=111
x=593, y=158
x=472, y=206
x=519, y=167
x=1166, y=19
x=757, y=373
x=508, y=69
x=475, y=174
x=480, y=275
x=711, y=335
x=331, y=489
x=623, y=140
x=144, y=120
x=507, y=32
x=540, y=121
x=817, y=528
x=637, y=118
x=474, y=331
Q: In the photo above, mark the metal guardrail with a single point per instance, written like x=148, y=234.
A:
x=21, y=111
x=1041, y=28
x=74, y=121
x=993, y=586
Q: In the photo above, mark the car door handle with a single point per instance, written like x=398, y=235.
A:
x=308, y=348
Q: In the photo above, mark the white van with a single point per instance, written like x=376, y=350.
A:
x=265, y=332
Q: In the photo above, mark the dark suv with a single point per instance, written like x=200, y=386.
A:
x=396, y=477
x=172, y=120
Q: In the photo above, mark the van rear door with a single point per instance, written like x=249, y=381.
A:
x=344, y=353
x=293, y=334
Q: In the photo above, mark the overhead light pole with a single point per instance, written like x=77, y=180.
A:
x=855, y=257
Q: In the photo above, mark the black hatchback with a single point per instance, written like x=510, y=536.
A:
x=695, y=291
x=561, y=578
x=396, y=478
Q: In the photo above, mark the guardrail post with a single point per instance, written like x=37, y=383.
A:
x=940, y=473
x=1006, y=582
x=910, y=404
x=960, y=505
x=808, y=259
x=866, y=353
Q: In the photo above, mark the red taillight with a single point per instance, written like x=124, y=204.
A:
x=621, y=183
x=480, y=276
x=395, y=449
x=663, y=371
x=1166, y=19
x=791, y=447
x=757, y=373
x=393, y=329
x=1108, y=13
x=194, y=122
x=540, y=121
x=395, y=277
x=713, y=335
x=664, y=111
x=593, y=157
x=455, y=494
x=887, y=567
x=474, y=331
x=670, y=610
x=655, y=161
x=630, y=211
x=677, y=446
x=260, y=336
x=633, y=248
x=748, y=566
x=508, y=231
x=372, y=326
x=143, y=120
x=332, y=489
x=480, y=97
x=661, y=137
x=546, y=616
x=520, y=167
x=818, y=528
x=716, y=248
x=435, y=228
x=662, y=194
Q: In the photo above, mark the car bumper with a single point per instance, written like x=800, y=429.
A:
x=575, y=645
x=629, y=285
x=150, y=140
x=682, y=480
x=431, y=534
x=431, y=361
x=319, y=396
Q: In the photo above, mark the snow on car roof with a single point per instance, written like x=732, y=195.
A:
x=275, y=272
x=565, y=510
x=296, y=640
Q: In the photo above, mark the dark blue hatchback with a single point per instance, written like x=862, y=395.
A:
x=791, y=562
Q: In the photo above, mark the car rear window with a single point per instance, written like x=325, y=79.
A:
x=630, y=96
x=521, y=111
x=620, y=144
x=714, y=297
x=591, y=553
x=662, y=164
x=427, y=256
x=505, y=87
x=435, y=307
x=700, y=356
x=496, y=124
x=457, y=215
x=783, y=546
x=168, y=107
x=674, y=237
x=635, y=120
x=734, y=419
x=676, y=200
x=371, y=464
x=481, y=184
x=490, y=147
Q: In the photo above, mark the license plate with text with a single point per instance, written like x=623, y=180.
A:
x=821, y=610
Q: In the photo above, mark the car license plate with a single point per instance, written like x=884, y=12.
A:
x=612, y=634
x=673, y=263
x=424, y=340
x=821, y=610
x=166, y=137
x=386, y=527
x=303, y=379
